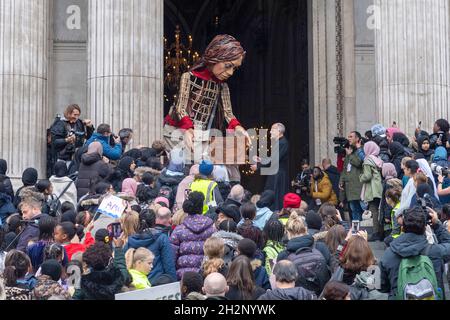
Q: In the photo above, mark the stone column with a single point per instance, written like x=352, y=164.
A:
x=412, y=47
x=24, y=35
x=125, y=66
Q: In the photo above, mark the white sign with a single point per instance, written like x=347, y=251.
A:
x=169, y=291
x=112, y=206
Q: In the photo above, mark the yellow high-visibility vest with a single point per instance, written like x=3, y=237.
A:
x=206, y=187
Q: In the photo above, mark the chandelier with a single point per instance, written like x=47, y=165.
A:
x=179, y=58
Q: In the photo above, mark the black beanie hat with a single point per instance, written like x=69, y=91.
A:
x=69, y=216
x=61, y=169
x=51, y=268
x=313, y=220
x=29, y=177
x=125, y=163
x=247, y=248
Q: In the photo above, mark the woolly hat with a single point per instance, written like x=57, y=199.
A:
x=378, y=130
x=30, y=177
x=313, y=220
x=206, y=167
x=292, y=201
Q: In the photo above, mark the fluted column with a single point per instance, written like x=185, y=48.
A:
x=24, y=33
x=125, y=66
x=412, y=62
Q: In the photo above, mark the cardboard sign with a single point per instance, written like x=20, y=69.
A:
x=169, y=291
x=112, y=206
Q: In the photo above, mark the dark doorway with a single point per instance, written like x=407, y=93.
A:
x=272, y=84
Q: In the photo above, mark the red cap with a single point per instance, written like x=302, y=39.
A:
x=292, y=201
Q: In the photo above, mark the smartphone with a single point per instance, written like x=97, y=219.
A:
x=114, y=230
x=420, y=125
x=355, y=226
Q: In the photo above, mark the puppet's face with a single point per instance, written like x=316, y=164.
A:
x=225, y=70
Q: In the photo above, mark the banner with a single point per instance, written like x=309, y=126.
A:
x=169, y=291
x=112, y=206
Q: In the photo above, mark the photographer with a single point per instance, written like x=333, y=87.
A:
x=412, y=243
x=349, y=183
x=302, y=182
x=103, y=135
x=68, y=134
x=322, y=189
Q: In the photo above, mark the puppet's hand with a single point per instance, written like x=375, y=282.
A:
x=241, y=131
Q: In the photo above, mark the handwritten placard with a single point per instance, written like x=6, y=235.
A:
x=112, y=206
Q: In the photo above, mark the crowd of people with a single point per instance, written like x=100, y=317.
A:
x=191, y=224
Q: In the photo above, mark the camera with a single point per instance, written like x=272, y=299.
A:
x=438, y=170
x=426, y=203
x=304, y=182
x=79, y=134
x=341, y=144
x=355, y=226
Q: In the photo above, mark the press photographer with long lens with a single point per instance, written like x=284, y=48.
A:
x=349, y=183
x=302, y=182
x=67, y=135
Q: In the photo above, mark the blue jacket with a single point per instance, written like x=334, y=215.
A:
x=158, y=243
x=262, y=216
x=260, y=273
x=112, y=153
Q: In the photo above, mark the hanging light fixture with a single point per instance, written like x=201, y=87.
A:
x=178, y=59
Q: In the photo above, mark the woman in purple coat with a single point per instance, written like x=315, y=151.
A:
x=188, y=238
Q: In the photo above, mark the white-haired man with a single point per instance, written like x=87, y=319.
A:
x=279, y=180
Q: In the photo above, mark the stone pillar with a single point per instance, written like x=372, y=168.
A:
x=125, y=66
x=24, y=39
x=412, y=62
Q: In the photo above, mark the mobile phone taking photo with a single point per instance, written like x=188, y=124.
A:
x=355, y=226
x=114, y=230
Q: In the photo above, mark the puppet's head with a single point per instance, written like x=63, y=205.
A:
x=223, y=56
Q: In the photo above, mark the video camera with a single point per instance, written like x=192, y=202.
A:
x=304, y=182
x=438, y=170
x=341, y=144
x=426, y=203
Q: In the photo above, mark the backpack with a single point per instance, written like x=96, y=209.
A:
x=53, y=208
x=312, y=268
x=417, y=278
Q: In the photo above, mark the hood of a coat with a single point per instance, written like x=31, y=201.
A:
x=90, y=159
x=103, y=285
x=144, y=240
x=409, y=245
x=262, y=212
x=305, y=241
x=228, y=236
x=197, y=223
x=289, y=294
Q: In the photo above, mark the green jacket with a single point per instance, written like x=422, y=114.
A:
x=372, y=181
x=350, y=179
x=140, y=280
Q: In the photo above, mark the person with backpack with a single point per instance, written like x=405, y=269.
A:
x=412, y=268
x=248, y=248
x=170, y=177
x=63, y=187
x=312, y=259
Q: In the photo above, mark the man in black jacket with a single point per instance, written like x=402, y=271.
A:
x=68, y=134
x=215, y=287
x=285, y=276
x=31, y=213
x=413, y=242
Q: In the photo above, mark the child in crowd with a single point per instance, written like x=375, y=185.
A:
x=65, y=233
x=214, y=249
x=139, y=264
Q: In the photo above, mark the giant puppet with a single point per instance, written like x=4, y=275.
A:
x=203, y=102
